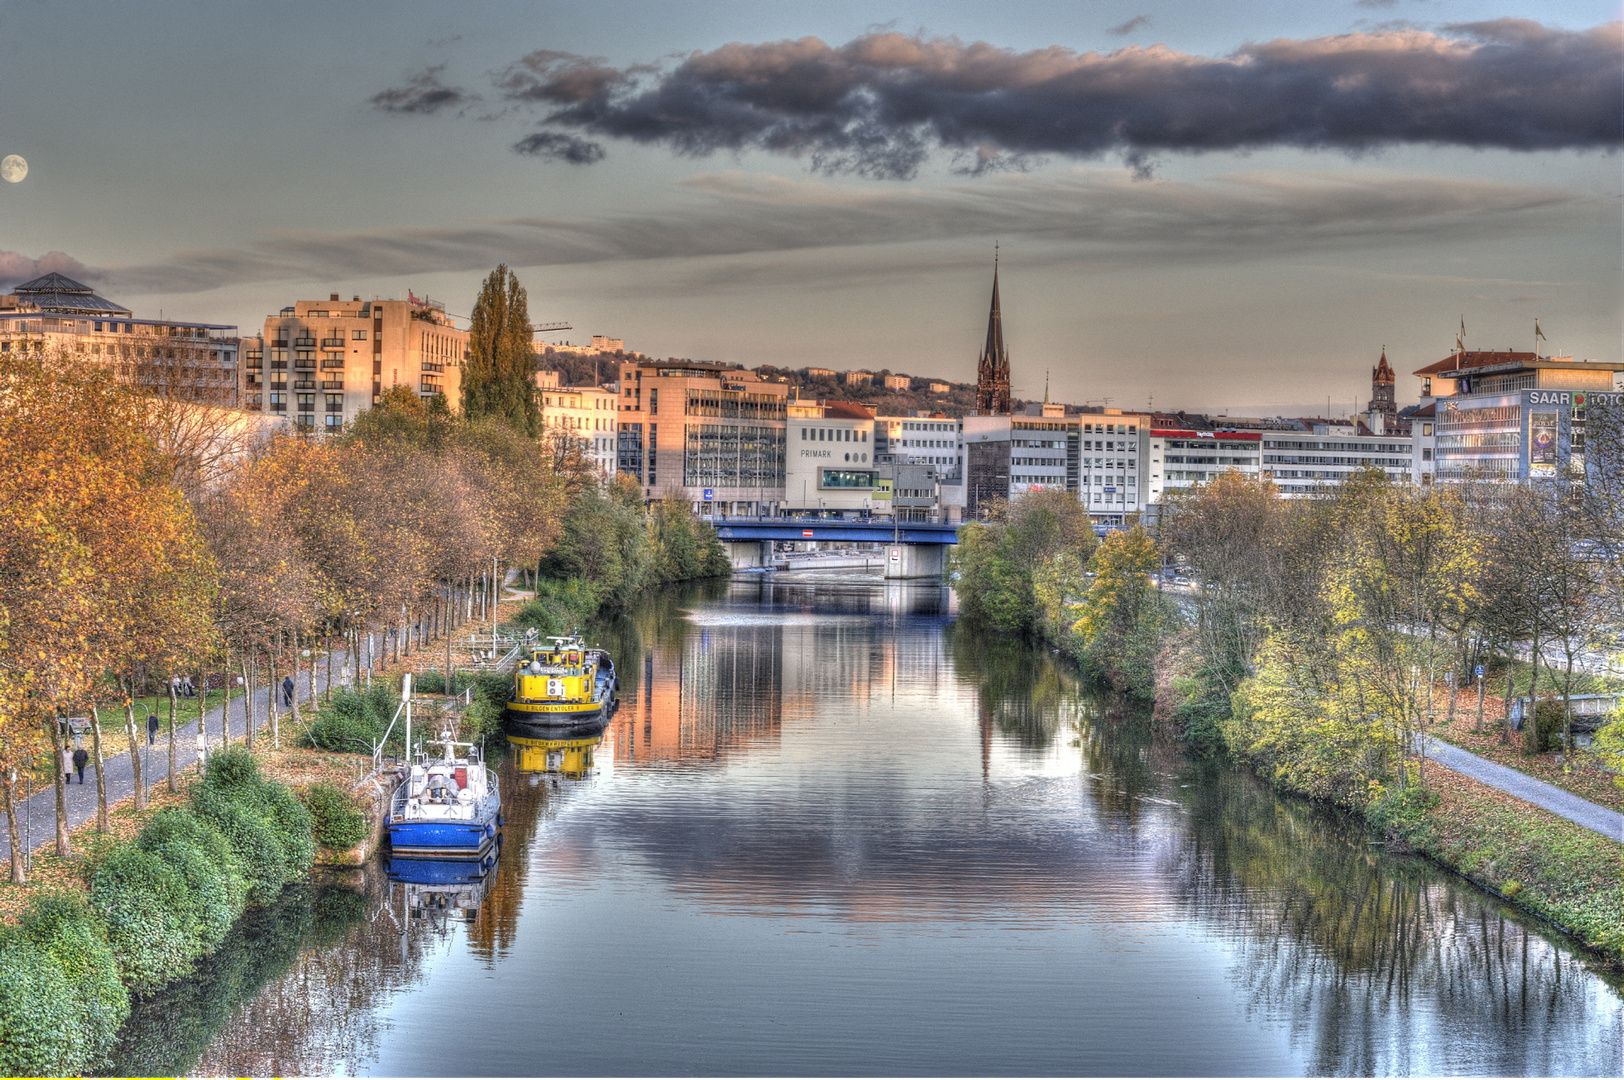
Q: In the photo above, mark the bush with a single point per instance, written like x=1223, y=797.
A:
x=433, y=682
x=354, y=720
x=269, y=830
x=143, y=902
x=339, y=822
x=1552, y=723
x=61, y=1002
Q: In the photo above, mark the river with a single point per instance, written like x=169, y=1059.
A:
x=831, y=831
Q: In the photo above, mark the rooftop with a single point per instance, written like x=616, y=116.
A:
x=62, y=294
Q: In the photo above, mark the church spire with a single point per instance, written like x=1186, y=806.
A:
x=992, y=370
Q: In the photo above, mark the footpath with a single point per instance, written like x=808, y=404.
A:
x=1610, y=823
x=36, y=816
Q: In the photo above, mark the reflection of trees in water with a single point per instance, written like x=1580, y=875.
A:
x=524, y=808
x=1020, y=690
x=1382, y=964
x=320, y=1017
x=168, y=1033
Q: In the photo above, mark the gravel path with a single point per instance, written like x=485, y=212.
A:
x=154, y=762
x=1610, y=823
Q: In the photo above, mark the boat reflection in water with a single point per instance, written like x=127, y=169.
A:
x=567, y=756
x=440, y=892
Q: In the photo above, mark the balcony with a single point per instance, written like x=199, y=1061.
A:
x=304, y=365
x=429, y=365
x=332, y=384
x=305, y=384
x=328, y=363
x=332, y=343
x=304, y=343
x=279, y=343
x=428, y=387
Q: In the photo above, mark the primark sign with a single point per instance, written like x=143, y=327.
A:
x=1578, y=399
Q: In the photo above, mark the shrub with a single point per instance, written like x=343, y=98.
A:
x=142, y=900
x=354, y=720
x=216, y=889
x=61, y=1002
x=270, y=831
x=433, y=682
x=482, y=718
x=1552, y=723
x=339, y=822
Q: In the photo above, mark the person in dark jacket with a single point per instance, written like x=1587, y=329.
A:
x=287, y=692
x=81, y=757
x=152, y=727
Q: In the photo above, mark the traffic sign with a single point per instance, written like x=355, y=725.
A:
x=709, y=494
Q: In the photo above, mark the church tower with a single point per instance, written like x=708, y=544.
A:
x=992, y=371
x=1381, y=392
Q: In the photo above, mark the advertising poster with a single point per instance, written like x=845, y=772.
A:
x=1542, y=444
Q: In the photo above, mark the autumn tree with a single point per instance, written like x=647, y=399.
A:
x=499, y=377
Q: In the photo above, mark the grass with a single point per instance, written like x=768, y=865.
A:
x=1543, y=863
x=1581, y=776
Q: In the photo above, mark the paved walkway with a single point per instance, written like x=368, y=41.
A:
x=1610, y=823
x=120, y=775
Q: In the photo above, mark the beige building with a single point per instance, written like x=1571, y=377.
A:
x=711, y=434
x=830, y=459
x=322, y=362
x=587, y=416
x=191, y=361
x=898, y=382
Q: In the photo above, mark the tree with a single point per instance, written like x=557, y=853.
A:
x=1123, y=615
x=499, y=377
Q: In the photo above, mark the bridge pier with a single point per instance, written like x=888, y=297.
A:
x=915, y=561
x=749, y=554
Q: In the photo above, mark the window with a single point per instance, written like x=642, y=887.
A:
x=335, y=422
x=307, y=402
x=358, y=335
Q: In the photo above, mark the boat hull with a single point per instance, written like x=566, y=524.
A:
x=442, y=839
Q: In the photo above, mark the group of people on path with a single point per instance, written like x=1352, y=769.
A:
x=75, y=760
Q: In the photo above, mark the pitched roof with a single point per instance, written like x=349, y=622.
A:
x=1454, y=362
x=58, y=292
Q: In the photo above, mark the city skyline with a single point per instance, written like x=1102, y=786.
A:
x=246, y=161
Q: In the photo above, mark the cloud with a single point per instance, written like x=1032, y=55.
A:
x=884, y=103
x=558, y=146
x=1099, y=212
x=1135, y=23
x=1375, y=3
x=423, y=94
x=15, y=268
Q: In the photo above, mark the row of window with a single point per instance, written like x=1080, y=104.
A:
x=834, y=435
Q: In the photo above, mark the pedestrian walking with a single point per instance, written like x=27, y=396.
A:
x=152, y=727
x=81, y=757
x=287, y=692
x=187, y=687
x=175, y=687
x=67, y=765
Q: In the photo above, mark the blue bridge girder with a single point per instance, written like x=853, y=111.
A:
x=873, y=532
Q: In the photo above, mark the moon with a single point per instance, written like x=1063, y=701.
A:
x=13, y=168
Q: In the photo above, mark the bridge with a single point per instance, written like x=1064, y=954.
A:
x=912, y=549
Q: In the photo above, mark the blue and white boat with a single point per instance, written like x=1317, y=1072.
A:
x=446, y=807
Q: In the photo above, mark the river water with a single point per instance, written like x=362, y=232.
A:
x=832, y=832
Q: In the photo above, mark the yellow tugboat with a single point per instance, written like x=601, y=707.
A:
x=564, y=684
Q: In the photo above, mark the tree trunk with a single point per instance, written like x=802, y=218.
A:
x=1531, y=718
x=64, y=841
x=328, y=694
x=19, y=876
x=135, y=748
x=203, y=711
x=293, y=703
x=310, y=698
x=270, y=701
x=245, y=660
x=102, y=823
x=174, y=717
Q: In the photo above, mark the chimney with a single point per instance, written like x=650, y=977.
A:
x=332, y=296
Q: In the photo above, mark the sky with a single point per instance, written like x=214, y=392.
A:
x=1218, y=210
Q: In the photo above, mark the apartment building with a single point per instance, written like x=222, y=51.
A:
x=191, y=361
x=585, y=416
x=322, y=362
x=711, y=434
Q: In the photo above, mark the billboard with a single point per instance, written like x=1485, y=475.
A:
x=1542, y=444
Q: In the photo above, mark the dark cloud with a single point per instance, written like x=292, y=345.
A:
x=1100, y=211
x=15, y=268
x=1135, y=23
x=882, y=104
x=558, y=146
x=423, y=93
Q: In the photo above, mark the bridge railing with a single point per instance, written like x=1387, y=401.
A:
x=810, y=520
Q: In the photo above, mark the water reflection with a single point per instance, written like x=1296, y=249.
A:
x=831, y=832
x=441, y=892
